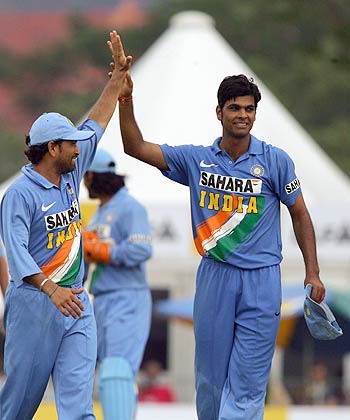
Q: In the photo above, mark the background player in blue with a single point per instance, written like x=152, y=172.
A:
x=118, y=241
x=236, y=186
x=50, y=327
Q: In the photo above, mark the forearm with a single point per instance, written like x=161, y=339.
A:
x=38, y=281
x=64, y=298
x=3, y=275
x=130, y=132
x=305, y=236
x=104, y=108
x=134, y=144
x=131, y=254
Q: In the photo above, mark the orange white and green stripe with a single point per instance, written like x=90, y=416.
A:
x=222, y=233
x=64, y=267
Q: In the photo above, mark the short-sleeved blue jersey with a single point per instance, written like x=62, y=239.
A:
x=40, y=222
x=235, y=205
x=123, y=223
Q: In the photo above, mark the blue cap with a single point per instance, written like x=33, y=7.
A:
x=103, y=162
x=319, y=318
x=54, y=126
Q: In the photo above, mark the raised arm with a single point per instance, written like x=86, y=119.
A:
x=305, y=236
x=134, y=144
x=104, y=108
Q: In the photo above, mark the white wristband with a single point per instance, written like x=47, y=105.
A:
x=42, y=284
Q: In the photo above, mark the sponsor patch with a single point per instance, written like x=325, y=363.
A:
x=63, y=218
x=230, y=183
x=292, y=186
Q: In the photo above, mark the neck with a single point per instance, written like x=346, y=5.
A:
x=235, y=147
x=104, y=199
x=48, y=172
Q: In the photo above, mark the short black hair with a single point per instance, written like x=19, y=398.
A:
x=37, y=152
x=233, y=86
x=106, y=183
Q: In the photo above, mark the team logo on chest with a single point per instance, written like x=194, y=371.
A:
x=257, y=170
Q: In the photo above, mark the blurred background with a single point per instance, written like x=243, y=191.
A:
x=53, y=57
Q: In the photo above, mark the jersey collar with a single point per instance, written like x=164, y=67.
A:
x=255, y=146
x=34, y=176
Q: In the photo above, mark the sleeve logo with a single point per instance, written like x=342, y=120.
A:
x=292, y=186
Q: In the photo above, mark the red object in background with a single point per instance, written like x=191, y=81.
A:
x=157, y=393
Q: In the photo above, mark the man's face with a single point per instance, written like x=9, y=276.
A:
x=67, y=155
x=237, y=116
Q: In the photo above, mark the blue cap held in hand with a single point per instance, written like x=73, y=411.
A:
x=319, y=318
x=53, y=126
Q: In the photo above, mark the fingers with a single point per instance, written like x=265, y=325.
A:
x=68, y=303
x=116, y=47
x=117, y=50
x=317, y=295
x=128, y=79
x=318, y=292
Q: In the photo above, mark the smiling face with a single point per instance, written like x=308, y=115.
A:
x=67, y=154
x=237, y=116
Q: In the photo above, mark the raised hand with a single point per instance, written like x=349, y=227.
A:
x=121, y=62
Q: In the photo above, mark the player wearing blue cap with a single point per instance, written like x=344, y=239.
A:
x=50, y=327
x=236, y=187
x=118, y=242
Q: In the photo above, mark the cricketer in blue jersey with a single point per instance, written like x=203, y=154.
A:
x=50, y=326
x=236, y=187
x=118, y=243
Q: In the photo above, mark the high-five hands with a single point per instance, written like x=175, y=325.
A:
x=120, y=62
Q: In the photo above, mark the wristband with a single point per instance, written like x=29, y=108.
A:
x=53, y=291
x=125, y=100
x=42, y=284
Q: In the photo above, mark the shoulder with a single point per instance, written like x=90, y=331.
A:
x=20, y=187
x=135, y=204
x=276, y=154
x=275, y=151
x=128, y=201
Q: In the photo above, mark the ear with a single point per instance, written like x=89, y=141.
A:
x=52, y=148
x=218, y=113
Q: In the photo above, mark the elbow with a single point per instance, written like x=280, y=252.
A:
x=128, y=148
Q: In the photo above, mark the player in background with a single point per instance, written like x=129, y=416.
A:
x=236, y=187
x=118, y=243
x=50, y=327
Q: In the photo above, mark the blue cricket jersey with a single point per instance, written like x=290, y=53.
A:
x=123, y=223
x=235, y=205
x=41, y=224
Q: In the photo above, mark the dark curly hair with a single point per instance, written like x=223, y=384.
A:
x=36, y=153
x=106, y=183
x=233, y=86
